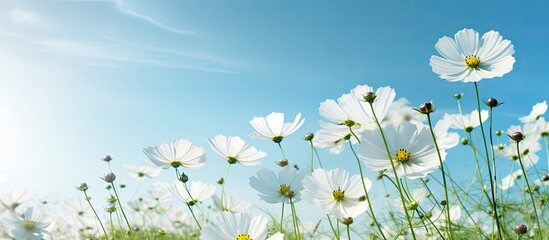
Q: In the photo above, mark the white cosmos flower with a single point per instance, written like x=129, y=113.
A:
x=465, y=122
x=273, y=188
x=179, y=153
x=445, y=139
x=231, y=204
x=79, y=208
x=273, y=126
x=334, y=191
x=234, y=149
x=537, y=111
x=529, y=130
x=400, y=111
x=418, y=195
x=467, y=58
x=142, y=172
x=15, y=198
x=33, y=224
x=351, y=109
x=528, y=149
x=509, y=180
x=239, y=226
x=199, y=192
x=334, y=137
x=411, y=146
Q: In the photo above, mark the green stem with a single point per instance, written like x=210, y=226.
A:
x=223, y=188
x=112, y=226
x=448, y=219
x=282, y=151
x=178, y=176
x=282, y=218
x=394, y=171
x=349, y=231
x=366, y=191
x=528, y=186
x=336, y=234
x=94, y=212
x=122, y=210
x=295, y=220
x=494, y=187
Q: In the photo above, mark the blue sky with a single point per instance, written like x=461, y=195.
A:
x=81, y=78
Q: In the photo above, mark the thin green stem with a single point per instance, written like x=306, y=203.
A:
x=336, y=234
x=295, y=220
x=282, y=151
x=448, y=219
x=112, y=226
x=178, y=176
x=494, y=187
x=366, y=190
x=529, y=188
x=95, y=212
x=282, y=218
x=223, y=187
x=394, y=171
x=349, y=231
x=122, y=210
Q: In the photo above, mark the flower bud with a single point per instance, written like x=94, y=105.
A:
x=283, y=163
x=110, y=208
x=347, y=221
x=443, y=202
x=498, y=133
x=464, y=141
x=83, y=187
x=108, y=186
x=309, y=136
x=412, y=205
x=111, y=199
x=362, y=198
x=220, y=181
x=521, y=229
x=545, y=177
x=109, y=177
x=369, y=97
x=183, y=178
x=122, y=185
x=501, y=146
x=458, y=96
x=491, y=102
x=107, y=158
x=426, y=108
x=517, y=136
x=161, y=232
x=289, y=194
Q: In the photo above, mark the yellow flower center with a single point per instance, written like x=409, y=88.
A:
x=243, y=237
x=29, y=224
x=338, y=195
x=284, y=189
x=402, y=156
x=472, y=61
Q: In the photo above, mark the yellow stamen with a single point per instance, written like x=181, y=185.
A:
x=284, y=189
x=338, y=195
x=29, y=224
x=402, y=156
x=243, y=237
x=472, y=61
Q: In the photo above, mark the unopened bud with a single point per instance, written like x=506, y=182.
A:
x=220, y=180
x=111, y=208
x=426, y=108
x=309, y=136
x=369, y=97
x=109, y=177
x=183, y=178
x=83, y=187
x=347, y=221
x=517, y=136
x=464, y=141
x=283, y=163
x=501, y=146
x=545, y=177
x=122, y=185
x=491, y=102
x=498, y=133
x=111, y=199
x=107, y=158
x=521, y=229
x=458, y=96
x=443, y=202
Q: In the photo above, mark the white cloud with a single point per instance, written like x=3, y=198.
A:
x=27, y=17
x=126, y=10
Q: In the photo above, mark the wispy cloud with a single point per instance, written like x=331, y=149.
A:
x=28, y=17
x=126, y=10
x=115, y=54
